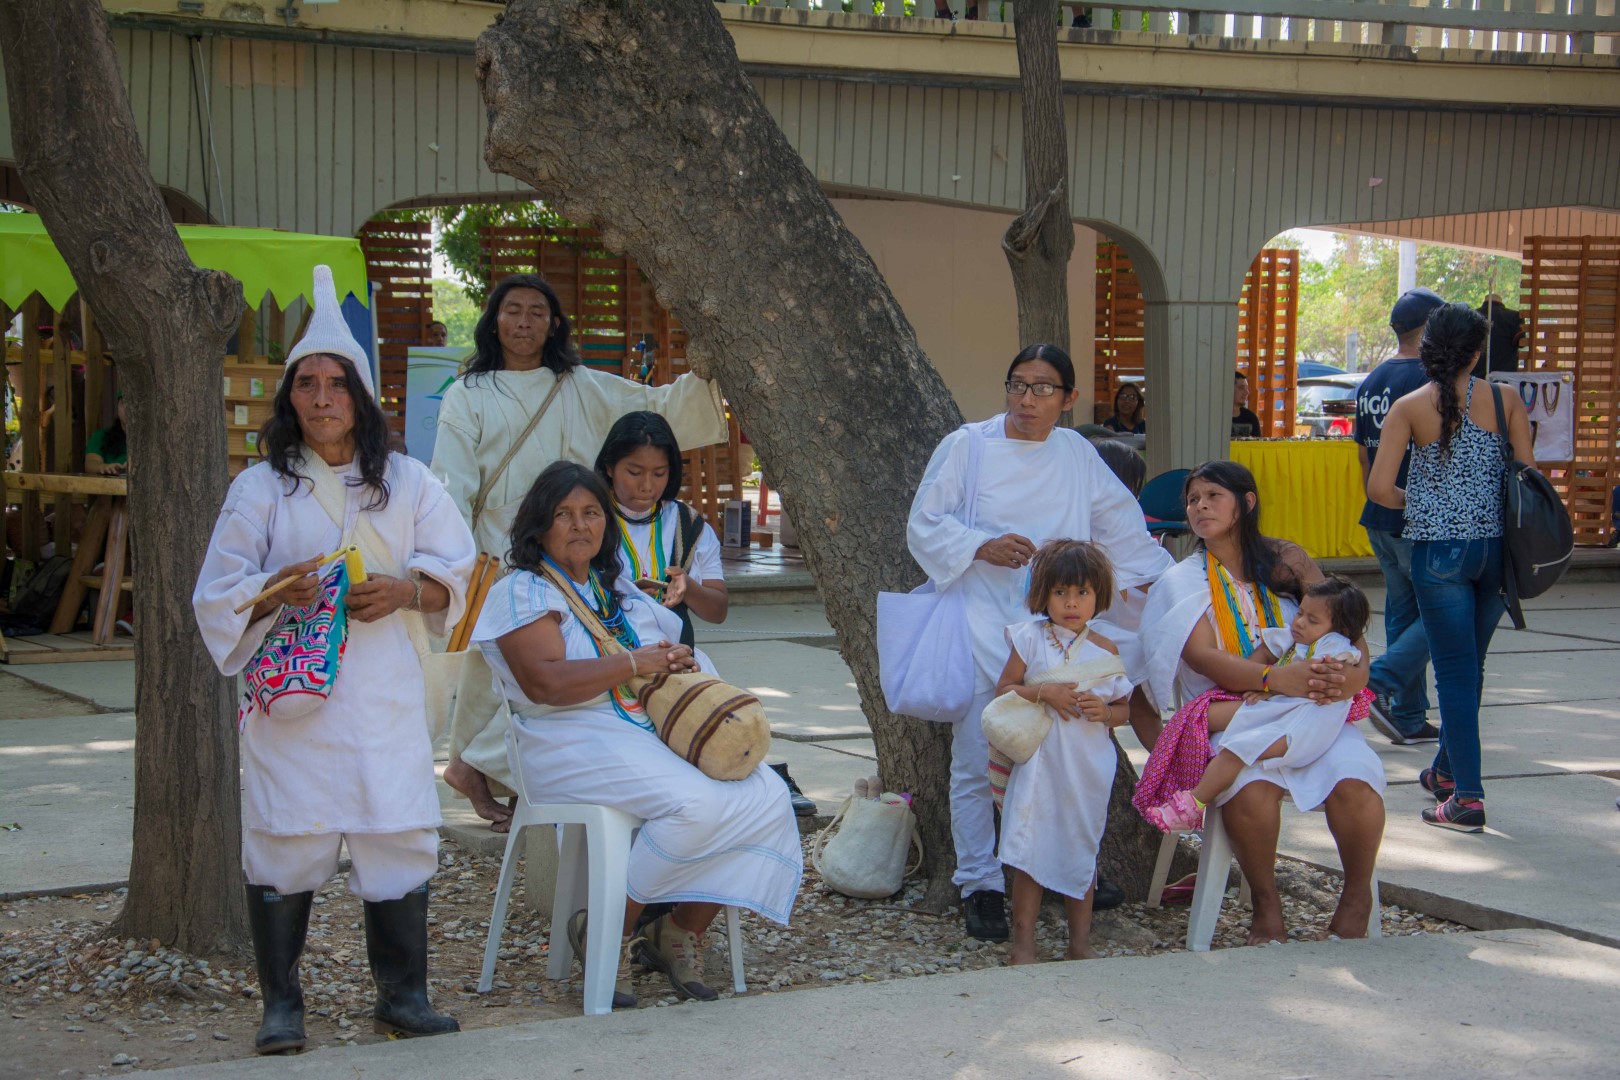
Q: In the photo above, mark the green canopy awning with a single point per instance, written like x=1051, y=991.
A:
x=263, y=260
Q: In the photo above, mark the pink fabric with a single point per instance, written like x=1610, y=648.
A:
x=1181, y=754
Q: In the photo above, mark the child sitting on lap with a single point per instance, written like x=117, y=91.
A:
x=1279, y=731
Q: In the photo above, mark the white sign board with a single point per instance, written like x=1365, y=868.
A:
x=428, y=374
x=1549, y=398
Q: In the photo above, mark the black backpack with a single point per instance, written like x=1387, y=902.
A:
x=1537, y=536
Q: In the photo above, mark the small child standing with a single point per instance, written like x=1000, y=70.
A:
x=1057, y=801
x=1279, y=731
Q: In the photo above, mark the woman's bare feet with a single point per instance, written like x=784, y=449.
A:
x=471, y=783
x=1350, y=918
x=1266, y=925
x=1021, y=955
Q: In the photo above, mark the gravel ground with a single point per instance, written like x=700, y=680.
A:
x=78, y=1003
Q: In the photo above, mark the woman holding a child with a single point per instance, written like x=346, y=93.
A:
x=1201, y=631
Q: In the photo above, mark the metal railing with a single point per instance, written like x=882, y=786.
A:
x=1515, y=26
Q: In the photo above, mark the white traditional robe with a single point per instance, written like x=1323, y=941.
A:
x=362, y=762
x=1309, y=727
x=482, y=415
x=479, y=420
x=1058, y=489
x=1051, y=490
x=1175, y=606
x=714, y=841
x=1057, y=802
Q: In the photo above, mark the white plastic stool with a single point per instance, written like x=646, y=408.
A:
x=595, y=846
x=1214, y=862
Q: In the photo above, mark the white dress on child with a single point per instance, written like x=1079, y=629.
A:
x=715, y=841
x=1309, y=728
x=1057, y=802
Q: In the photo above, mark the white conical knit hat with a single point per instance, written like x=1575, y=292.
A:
x=328, y=333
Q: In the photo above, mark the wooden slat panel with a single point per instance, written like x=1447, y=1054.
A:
x=399, y=257
x=1268, y=314
x=1570, y=302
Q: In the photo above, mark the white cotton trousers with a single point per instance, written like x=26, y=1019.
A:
x=383, y=866
x=973, y=810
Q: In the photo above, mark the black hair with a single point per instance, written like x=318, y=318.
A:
x=438, y=322
x=115, y=441
x=1262, y=556
x=630, y=433
x=1123, y=462
x=1052, y=355
x=1141, y=401
x=538, y=509
x=1451, y=340
x=1241, y=375
x=557, y=353
x=1347, y=603
x=281, y=439
x=1072, y=563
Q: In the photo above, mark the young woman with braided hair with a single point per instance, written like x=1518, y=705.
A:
x=1453, y=504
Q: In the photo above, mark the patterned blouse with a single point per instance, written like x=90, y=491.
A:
x=1457, y=494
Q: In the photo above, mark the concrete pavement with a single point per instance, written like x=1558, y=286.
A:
x=1533, y=1003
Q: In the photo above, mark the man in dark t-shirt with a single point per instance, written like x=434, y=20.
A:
x=1398, y=678
x=1244, y=423
x=1502, y=347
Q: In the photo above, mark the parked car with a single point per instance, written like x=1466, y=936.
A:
x=1325, y=405
x=1309, y=369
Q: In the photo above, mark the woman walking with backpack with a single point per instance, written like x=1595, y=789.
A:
x=1453, y=504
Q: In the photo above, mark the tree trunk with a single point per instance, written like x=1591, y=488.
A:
x=636, y=115
x=1041, y=239
x=1038, y=245
x=167, y=323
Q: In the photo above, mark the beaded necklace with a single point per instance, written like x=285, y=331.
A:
x=625, y=702
x=656, y=563
x=1235, y=605
x=1064, y=650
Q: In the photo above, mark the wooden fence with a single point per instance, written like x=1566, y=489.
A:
x=1268, y=320
x=399, y=257
x=1570, y=303
x=611, y=305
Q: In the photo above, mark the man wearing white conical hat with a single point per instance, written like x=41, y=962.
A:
x=357, y=769
x=524, y=402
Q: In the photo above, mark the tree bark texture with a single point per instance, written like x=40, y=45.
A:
x=167, y=323
x=635, y=115
x=1040, y=240
x=1038, y=245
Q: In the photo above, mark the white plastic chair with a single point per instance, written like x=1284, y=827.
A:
x=1214, y=863
x=595, y=845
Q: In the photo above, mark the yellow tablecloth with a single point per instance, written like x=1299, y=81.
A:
x=1310, y=493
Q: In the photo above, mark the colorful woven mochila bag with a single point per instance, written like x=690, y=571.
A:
x=295, y=668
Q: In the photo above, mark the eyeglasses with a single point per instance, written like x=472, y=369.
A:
x=1016, y=388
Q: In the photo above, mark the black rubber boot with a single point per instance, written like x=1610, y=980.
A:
x=396, y=942
x=279, y=924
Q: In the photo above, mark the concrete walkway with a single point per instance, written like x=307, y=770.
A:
x=1537, y=1004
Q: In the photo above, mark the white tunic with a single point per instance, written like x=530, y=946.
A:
x=482, y=415
x=1310, y=728
x=1051, y=490
x=1176, y=604
x=724, y=842
x=705, y=555
x=1056, y=807
x=363, y=762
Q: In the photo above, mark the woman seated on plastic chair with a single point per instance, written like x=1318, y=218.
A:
x=1196, y=620
x=582, y=738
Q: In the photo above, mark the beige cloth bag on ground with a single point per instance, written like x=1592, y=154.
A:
x=1017, y=727
x=867, y=857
